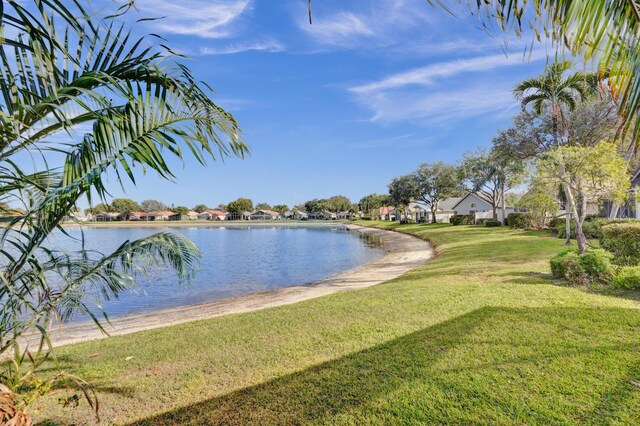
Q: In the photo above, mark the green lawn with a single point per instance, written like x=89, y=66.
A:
x=480, y=335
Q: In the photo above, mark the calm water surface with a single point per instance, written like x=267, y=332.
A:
x=236, y=261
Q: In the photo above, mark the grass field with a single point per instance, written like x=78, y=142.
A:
x=480, y=335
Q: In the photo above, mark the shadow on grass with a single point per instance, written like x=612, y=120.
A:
x=491, y=366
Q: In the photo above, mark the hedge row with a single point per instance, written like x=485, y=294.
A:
x=520, y=220
x=594, y=266
x=461, y=219
x=623, y=241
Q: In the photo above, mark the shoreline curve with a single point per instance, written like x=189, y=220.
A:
x=403, y=253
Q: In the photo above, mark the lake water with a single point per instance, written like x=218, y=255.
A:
x=235, y=261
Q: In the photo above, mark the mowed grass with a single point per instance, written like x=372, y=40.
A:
x=480, y=335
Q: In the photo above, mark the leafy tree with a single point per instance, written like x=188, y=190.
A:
x=65, y=67
x=99, y=208
x=240, y=205
x=437, y=181
x=152, y=206
x=540, y=202
x=222, y=207
x=199, y=208
x=124, y=205
x=281, y=208
x=588, y=174
x=559, y=90
x=370, y=204
x=509, y=170
x=402, y=191
x=263, y=206
x=338, y=203
x=316, y=205
x=180, y=210
x=481, y=174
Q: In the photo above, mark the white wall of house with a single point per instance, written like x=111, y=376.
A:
x=489, y=214
x=472, y=203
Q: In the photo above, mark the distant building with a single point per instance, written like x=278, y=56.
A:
x=238, y=216
x=211, y=214
x=136, y=215
x=296, y=215
x=264, y=215
x=345, y=216
x=324, y=215
x=159, y=215
x=191, y=215
x=107, y=217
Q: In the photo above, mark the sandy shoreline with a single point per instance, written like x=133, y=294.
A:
x=403, y=253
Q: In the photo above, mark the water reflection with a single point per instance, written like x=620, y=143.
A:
x=236, y=260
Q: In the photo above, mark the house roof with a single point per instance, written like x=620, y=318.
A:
x=449, y=203
x=269, y=212
x=216, y=212
x=469, y=195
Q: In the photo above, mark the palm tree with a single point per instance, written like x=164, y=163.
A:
x=556, y=90
x=63, y=70
x=559, y=90
x=604, y=32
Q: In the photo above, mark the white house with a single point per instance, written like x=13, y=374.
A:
x=107, y=217
x=264, y=215
x=190, y=215
x=159, y=215
x=296, y=215
x=324, y=215
x=238, y=216
x=212, y=215
x=345, y=216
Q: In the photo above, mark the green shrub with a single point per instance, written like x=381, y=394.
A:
x=581, y=269
x=597, y=264
x=520, y=220
x=366, y=217
x=492, y=223
x=590, y=229
x=573, y=270
x=556, y=222
x=623, y=240
x=557, y=268
x=628, y=277
x=461, y=219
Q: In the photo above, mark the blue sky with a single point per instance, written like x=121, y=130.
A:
x=367, y=92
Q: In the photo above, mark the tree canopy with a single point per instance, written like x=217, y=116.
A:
x=240, y=205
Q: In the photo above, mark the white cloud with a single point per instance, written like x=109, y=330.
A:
x=264, y=46
x=202, y=18
x=427, y=75
x=438, y=107
x=339, y=29
x=381, y=22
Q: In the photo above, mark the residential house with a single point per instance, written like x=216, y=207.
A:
x=387, y=213
x=238, y=216
x=190, y=215
x=136, y=215
x=212, y=215
x=323, y=215
x=630, y=209
x=298, y=215
x=264, y=215
x=107, y=217
x=159, y=215
x=345, y=216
